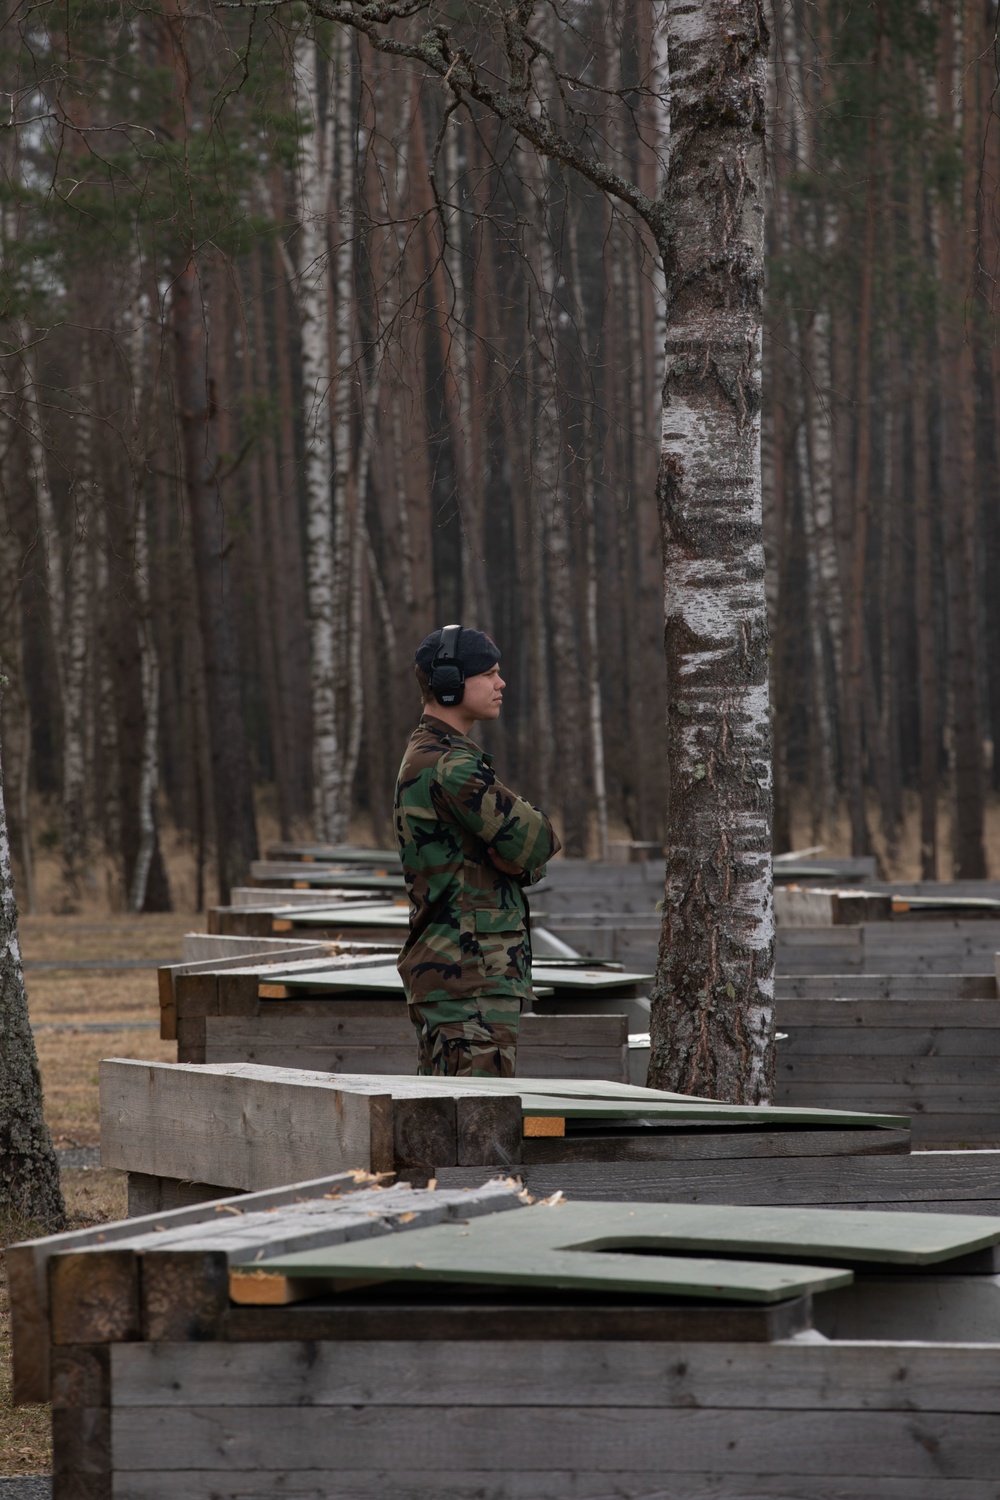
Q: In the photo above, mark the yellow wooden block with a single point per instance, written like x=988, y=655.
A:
x=281, y=924
x=273, y=992
x=544, y=1125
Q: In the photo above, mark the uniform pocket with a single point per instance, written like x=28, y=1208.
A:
x=502, y=945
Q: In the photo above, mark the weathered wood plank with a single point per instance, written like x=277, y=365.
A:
x=460, y=1484
x=885, y=986
x=899, y=1014
x=599, y=1439
x=877, y=1042
x=893, y=1071
x=920, y=1180
x=713, y=1145
x=797, y=1374
x=246, y=1132
x=27, y=1271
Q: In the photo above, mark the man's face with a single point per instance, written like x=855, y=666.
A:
x=484, y=694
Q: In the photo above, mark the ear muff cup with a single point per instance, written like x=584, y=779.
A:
x=448, y=684
x=447, y=675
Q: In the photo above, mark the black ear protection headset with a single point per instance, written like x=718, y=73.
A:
x=447, y=675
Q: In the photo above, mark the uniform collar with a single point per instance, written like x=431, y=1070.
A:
x=452, y=737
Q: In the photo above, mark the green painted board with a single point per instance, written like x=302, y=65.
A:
x=950, y=903
x=496, y=1250
x=374, y=981
x=672, y=1249
x=348, y=881
x=597, y=980
x=598, y=1099
x=349, y=915
x=545, y=980
x=334, y=853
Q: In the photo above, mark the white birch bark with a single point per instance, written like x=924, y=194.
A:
x=29, y=1171
x=347, y=562
x=712, y=1015
x=659, y=95
x=16, y=715
x=49, y=538
x=311, y=291
x=592, y=589
x=149, y=662
x=79, y=579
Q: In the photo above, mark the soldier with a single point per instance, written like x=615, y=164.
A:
x=468, y=847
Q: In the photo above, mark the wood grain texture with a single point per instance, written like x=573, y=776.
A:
x=249, y=1132
x=921, y=1180
x=676, y=1145
x=504, y=1318
x=81, y=1375
x=28, y=1274
x=488, y=1132
x=600, y=1439
x=94, y=1296
x=792, y=1374
x=885, y=986
x=480, y=1484
x=185, y=1293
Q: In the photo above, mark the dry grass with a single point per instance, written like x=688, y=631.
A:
x=66, y=1000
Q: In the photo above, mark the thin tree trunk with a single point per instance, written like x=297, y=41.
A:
x=312, y=297
x=29, y=1173
x=852, y=707
x=712, y=1024
x=958, y=464
x=77, y=622
x=16, y=727
x=592, y=585
x=232, y=791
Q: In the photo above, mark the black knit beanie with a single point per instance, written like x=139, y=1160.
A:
x=475, y=651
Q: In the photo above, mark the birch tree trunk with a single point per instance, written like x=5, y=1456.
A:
x=77, y=621
x=712, y=1001
x=348, y=514
x=16, y=726
x=29, y=1172
x=311, y=290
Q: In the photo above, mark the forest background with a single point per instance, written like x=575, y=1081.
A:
x=297, y=365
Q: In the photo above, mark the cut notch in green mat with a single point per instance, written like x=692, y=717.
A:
x=684, y=1250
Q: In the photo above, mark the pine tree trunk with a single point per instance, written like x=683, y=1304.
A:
x=232, y=791
x=958, y=461
x=712, y=1013
x=29, y=1173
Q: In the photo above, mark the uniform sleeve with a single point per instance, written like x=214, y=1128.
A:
x=466, y=789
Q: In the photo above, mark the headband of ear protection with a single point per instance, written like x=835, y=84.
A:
x=447, y=675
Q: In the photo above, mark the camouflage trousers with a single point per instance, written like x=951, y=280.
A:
x=475, y=1038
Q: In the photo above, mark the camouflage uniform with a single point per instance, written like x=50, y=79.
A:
x=466, y=964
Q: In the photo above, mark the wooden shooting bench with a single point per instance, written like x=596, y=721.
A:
x=347, y=1013
x=186, y=1132
x=354, y=921
x=364, y=1342
x=927, y=1045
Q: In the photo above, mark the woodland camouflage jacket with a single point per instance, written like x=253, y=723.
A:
x=468, y=928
